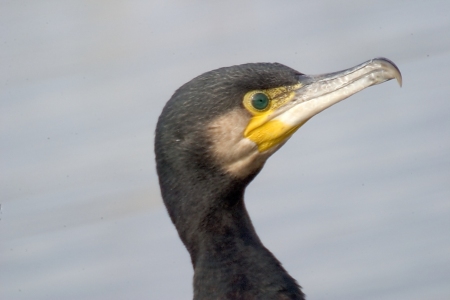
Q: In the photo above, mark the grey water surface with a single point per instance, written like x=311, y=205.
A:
x=356, y=205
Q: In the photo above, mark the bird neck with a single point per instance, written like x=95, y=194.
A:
x=228, y=257
x=209, y=213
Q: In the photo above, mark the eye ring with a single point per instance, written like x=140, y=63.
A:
x=259, y=101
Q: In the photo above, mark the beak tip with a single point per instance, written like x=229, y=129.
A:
x=392, y=67
x=398, y=75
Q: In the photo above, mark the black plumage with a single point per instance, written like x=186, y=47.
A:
x=206, y=204
x=204, y=200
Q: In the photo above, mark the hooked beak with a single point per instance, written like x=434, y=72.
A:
x=318, y=92
x=312, y=95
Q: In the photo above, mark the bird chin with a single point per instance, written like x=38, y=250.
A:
x=250, y=160
x=236, y=154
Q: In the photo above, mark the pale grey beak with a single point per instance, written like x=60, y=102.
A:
x=318, y=92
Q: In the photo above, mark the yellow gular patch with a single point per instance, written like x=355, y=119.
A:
x=261, y=129
x=271, y=134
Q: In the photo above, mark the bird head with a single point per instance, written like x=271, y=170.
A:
x=234, y=118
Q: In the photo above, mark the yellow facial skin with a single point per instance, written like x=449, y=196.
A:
x=264, y=131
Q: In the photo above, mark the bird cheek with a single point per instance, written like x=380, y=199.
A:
x=270, y=134
x=255, y=123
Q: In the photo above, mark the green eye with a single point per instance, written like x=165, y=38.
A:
x=260, y=101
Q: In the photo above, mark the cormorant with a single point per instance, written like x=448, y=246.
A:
x=212, y=138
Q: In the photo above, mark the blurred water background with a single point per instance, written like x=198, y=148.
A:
x=356, y=205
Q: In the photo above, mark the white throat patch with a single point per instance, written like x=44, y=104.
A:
x=236, y=154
